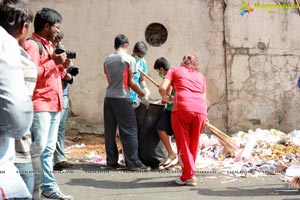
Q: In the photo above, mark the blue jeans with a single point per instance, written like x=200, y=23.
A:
x=59, y=154
x=26, y=172
x=44, y=132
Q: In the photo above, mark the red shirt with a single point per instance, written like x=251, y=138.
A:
x=47, y=95
x=189, y=87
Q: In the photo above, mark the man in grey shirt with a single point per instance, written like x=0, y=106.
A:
x=119, y=68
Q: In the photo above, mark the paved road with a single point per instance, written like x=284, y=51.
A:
x=90, y=182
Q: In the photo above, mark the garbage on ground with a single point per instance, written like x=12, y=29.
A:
x=97, y=160
x=295, y=182
x=76, y=146
x=260, y=153
x=292, y=176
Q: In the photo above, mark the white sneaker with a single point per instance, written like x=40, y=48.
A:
x=55, y=195
x=189, y=182
x=170, y=161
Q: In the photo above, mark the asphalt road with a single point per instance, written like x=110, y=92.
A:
x=86, y=181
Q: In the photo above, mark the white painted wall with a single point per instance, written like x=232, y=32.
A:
x=251, y=62
x=90, y=27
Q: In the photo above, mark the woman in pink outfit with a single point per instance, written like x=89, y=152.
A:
x=189, y=113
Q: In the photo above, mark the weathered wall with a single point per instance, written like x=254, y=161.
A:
x=91, y=25
x=250, y=62
x=262, y=60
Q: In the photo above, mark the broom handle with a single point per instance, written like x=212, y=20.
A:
x=148, y=77
x=297, y=2
x=155, y=83
x=215, y=128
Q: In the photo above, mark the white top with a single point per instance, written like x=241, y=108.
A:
x=16, y=113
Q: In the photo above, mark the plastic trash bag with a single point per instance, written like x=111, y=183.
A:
x=150, y=152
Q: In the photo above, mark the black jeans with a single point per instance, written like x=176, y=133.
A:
x=119, y=112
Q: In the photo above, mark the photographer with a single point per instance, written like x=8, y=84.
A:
x=60, y=160
x=47, y=101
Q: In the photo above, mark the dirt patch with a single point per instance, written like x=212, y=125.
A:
x=84, y=145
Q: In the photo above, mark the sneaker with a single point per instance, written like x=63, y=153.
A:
x=62, y=165
x=113, y=167
x=55, y=195
x=140, y=168
x=189, y=182
x=157, y=168
x=170, y=161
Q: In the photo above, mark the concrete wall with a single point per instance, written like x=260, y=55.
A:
x=90, y=27
x=250, y=62
x=262, y=61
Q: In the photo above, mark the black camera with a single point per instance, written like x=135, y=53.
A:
x=70, y=54
x=73, y=70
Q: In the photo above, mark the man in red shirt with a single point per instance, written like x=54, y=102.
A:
x=47, y=100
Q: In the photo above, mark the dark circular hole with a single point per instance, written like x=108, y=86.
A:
x=156, y=34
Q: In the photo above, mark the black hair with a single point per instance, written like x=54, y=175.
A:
x=44, y=16
x=14, y=14
x=140, y=47
x=121, y=40
x=162, y=63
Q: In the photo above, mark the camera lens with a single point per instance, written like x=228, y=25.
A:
x=71, y=54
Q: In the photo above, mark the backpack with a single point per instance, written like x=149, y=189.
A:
x=39, y=43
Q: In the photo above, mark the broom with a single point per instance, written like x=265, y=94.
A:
x=297, y=3
x=295, y=183
x=223, y=138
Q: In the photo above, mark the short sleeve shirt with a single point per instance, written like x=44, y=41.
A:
x=189, y=87
x=117, y=67
x=140, y=65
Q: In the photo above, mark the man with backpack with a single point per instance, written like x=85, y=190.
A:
x=47, y=100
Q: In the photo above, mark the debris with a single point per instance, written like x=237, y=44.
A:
x=247, y=152
x=291, y=172
x=224, y=139
x=295, y=183
x=98, y=160
x=76, y=146
x=259, y=153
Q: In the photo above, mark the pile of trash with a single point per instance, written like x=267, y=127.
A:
x=260, y=153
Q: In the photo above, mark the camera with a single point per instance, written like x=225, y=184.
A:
x=73, y=70
x=70, y=54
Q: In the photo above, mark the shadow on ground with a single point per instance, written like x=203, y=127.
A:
x=126, y=182
x=242, y=192
x=267, y=187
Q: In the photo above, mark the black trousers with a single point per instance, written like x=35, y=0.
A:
x=119, y=112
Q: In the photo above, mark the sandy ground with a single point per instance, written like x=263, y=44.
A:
x=81, y=146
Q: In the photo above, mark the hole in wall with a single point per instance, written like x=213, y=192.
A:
x=156, y=34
